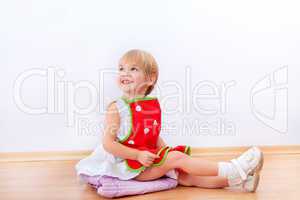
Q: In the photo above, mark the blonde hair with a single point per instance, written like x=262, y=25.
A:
x=144, y=60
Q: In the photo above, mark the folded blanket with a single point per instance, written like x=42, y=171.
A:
x=111, y=187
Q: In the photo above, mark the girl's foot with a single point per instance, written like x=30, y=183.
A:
x=249, y=163
x=237, y=171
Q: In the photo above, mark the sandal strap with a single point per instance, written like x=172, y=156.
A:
x=239, y=168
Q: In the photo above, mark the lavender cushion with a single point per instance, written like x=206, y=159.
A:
x=111, y=187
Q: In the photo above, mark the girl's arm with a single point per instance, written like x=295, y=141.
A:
x=110, y=144
x=160, y=142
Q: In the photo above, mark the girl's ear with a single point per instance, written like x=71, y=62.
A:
x=151, y=79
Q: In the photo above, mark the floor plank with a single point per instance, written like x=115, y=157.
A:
x=57, y=180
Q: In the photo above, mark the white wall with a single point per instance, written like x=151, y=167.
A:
x=243, y=57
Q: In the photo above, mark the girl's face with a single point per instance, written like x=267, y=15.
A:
x=132, y=79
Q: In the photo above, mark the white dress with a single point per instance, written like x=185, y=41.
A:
x=101, y=162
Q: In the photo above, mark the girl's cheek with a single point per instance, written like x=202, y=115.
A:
x=134, y=76
x=118, y=80
x=140, y=76
x=138, y=79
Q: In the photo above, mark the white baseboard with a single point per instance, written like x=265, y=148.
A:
x=195, y=151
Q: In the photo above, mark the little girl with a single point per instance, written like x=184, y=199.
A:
x=132, y=148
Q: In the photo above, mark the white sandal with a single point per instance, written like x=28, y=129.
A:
x=251, y=184
x=244, y=170
x=249, y=163
x=252, y=161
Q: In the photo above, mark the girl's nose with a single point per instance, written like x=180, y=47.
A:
x=126, y=71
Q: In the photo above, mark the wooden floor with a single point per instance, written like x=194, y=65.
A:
x=55, y=180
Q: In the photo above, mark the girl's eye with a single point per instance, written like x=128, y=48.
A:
x=121, y=69
x=134, y=69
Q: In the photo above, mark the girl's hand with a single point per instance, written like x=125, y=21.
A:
x=146, y=158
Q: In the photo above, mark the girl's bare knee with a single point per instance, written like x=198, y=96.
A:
x=170, y=163
x=175, y=158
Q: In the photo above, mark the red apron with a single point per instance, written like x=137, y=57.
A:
x=144, y=131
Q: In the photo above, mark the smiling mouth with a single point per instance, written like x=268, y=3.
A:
x=126, y=82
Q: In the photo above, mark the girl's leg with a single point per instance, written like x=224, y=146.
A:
x=176, y=159
x=202, y=181
x=197, y=166
x=235, y=171
x=184, y=178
